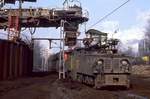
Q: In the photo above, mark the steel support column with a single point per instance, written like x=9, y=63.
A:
x=61, y=54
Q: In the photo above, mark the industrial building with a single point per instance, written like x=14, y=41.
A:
x=144, y=47
x=144, y=51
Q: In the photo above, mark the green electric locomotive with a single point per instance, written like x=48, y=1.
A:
x=99, y=64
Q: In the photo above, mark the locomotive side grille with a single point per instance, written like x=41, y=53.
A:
x=115, y=64
x=111, y=65
x=108, y=63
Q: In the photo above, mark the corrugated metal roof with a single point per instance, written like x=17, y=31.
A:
x=30, y=0
x=9, y=1
x=13, y=1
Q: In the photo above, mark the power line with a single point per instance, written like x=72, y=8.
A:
x=109, y=13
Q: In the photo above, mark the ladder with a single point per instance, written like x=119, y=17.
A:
x=61, y=54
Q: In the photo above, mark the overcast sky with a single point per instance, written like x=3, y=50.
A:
x=130, y=19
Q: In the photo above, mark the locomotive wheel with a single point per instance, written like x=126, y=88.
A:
x=86, y=79
x=79, y=78
x=91, y=81
x=83, y=79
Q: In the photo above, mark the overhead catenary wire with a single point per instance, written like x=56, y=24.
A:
x=109, y=13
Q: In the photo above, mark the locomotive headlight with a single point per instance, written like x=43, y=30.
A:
x=124, y=62
x=125, y=65
x=99, y=62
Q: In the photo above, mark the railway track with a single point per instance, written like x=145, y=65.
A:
x=49, y=87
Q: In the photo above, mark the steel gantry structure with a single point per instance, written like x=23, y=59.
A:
x=68, y=19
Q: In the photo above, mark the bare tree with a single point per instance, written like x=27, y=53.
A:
x=126, y=49
x=130, y=51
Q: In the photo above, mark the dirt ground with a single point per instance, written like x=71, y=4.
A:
x=49, y=87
